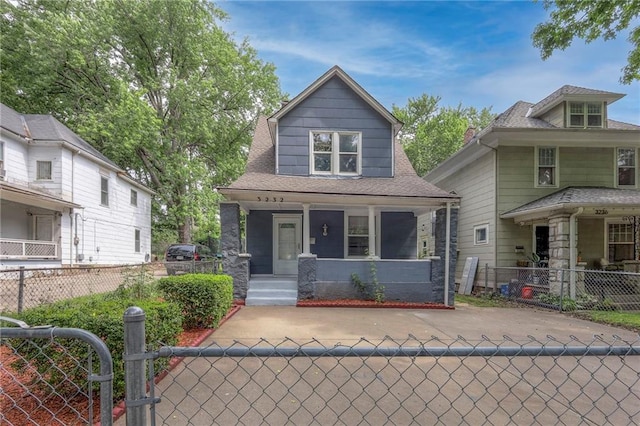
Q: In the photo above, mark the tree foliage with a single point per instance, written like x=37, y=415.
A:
x=432, y=133
x=156, y=85
x=590, y=20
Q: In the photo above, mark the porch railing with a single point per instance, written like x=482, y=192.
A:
x=27, y=249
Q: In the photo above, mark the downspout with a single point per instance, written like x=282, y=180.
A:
x=446, y=255
x=572, y=252
x=70, y=237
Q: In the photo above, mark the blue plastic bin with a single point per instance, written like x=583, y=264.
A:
x=504, y=290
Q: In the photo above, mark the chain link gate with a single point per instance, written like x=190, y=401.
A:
x=388, y=382
x=44, y=380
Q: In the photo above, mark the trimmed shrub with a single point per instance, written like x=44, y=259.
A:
x=204, y=298
x=104, y=318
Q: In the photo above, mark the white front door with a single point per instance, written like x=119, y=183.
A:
x=287, y=244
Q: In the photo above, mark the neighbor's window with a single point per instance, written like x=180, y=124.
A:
x=585, y=114
x=620, y=242
x=547, y=166
x=137, y=241
x=134, y=197
x=43, y=170
x=357, y=236
x=481, y=234
x=104, y=191
x=335, y=153
x=626, y=166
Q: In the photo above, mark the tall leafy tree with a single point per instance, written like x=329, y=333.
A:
x=432, y=133
x=591, y=20
x=155, y=85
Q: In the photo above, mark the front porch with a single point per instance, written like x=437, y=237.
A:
x=318, y=276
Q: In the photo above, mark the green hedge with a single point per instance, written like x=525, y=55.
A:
x=204, y=298
x=102, y=316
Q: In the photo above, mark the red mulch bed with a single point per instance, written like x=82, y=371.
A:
x=353, y=303
x=22, y=405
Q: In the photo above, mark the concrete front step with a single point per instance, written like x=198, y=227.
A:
x=271, y=291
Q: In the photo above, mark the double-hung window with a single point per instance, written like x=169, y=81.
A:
x=136, y=238
x=43, y=170
x=585, y=114
x=134, y=197
x=335, y=153
x=547, y=166
x=104, y=191
x=620, y=245
x=357, y=236
x=627, y=165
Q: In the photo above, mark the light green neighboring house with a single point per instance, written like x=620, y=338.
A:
x=557, y=178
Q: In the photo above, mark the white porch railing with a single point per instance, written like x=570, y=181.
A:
x=27, y=249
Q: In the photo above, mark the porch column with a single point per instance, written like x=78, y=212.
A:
x=234, y=263
x=559, y=249
x=372, y=232
x=306, y=229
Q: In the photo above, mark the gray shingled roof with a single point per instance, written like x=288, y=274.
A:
x=40, y=127
x=260, y=176
x=575, y=196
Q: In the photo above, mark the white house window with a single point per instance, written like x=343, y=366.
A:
x=43, y=170
x=134, y=197
x=357, y=236
x=43, y=228
x=481, y=234
x=137, y=240
x=585, y=114
x=547, y=166
x=104, y=191
x=626, y=163
x=335, y=153
x=619, y=242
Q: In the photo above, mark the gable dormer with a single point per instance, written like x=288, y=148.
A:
x=574, y=107
x=334, y=128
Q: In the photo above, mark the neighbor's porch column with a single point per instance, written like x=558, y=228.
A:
x=559, y=249
x=306, y=229
x=372, y=232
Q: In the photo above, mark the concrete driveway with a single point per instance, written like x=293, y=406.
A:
x=348, y=324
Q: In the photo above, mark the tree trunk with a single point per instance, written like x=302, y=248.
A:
x=184, y=231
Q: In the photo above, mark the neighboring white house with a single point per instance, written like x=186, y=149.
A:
x=62, y=202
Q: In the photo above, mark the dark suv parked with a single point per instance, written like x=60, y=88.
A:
x=182, y=258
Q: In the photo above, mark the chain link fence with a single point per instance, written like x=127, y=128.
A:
x=44, y=379
x=389, y=382
x=25, y=288
x=566, y=289
x=193, y=267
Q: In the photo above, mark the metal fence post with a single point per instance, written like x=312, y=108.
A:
x=21, y=290
x=135, y=366
x=486, y=278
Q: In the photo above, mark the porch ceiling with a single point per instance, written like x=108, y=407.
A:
x=278, y=200
x=20, y=194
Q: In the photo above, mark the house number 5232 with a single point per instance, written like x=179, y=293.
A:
x=602, y=211
x=271, y=199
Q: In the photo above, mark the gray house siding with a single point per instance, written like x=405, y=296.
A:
x=398, y=239
x=331, y=245
x=334, y=106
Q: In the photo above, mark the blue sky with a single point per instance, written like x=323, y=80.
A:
x=477, y=53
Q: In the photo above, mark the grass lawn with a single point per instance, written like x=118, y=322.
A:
x=626, y=319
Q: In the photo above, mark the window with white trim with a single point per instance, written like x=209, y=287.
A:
x=546, y=166
x=335, y=153
x=626, y=166
x=104, y=191
x=43, y=170
x=585, y=114
x=620, y=244
x=357, y=236
x=134, y=197
x=137, y=241
x=481, y=234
